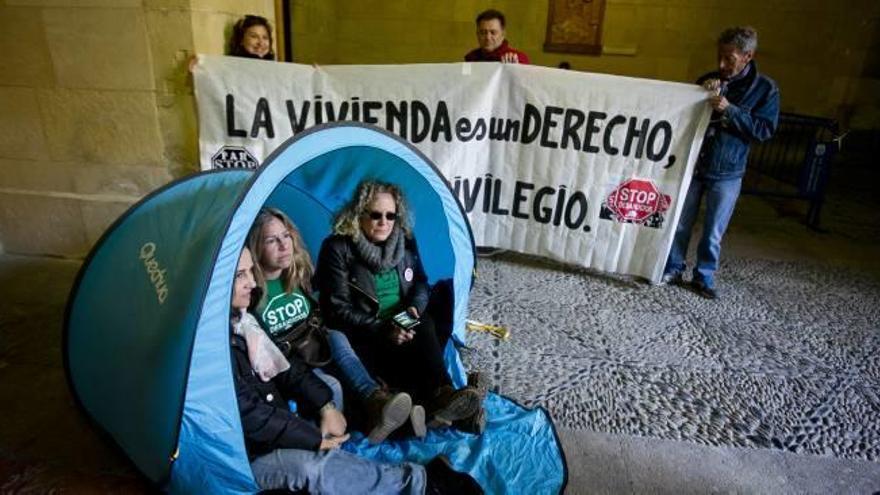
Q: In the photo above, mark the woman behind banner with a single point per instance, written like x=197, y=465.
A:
x=372, y=285
x=252, y=38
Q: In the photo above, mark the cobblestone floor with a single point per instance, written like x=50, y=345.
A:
x=788, y=358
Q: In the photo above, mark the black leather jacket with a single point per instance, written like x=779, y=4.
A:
x=348, y=291
x=266, y=419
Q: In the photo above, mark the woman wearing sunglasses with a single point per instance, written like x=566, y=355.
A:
x=372, y=285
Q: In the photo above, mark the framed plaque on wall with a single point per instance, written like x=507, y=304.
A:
x=575, y=26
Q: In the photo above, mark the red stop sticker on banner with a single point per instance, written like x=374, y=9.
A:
x=636, y=199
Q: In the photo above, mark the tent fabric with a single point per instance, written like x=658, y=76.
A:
x=517, y=453
x=126, y=354
x=146, y=333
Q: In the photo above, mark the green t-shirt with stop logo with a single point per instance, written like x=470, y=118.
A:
x=283, y=311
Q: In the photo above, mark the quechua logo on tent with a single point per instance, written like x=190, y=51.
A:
x=154, y=271
x=636, y=201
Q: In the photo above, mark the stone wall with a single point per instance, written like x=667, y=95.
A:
x=816, y=50
x=96, y=104
x=96, y=110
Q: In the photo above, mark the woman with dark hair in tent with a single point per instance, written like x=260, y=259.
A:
x=252, y=38
x=287, y=305
x=288, y=451
x=372, y=286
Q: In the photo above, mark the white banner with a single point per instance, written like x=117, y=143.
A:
x=588, y=169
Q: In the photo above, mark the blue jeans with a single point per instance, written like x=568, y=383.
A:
x=721, y=196
x=351, y=370
x=334, y=385
x=335, y=471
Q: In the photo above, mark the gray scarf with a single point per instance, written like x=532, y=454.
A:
x=380, y=257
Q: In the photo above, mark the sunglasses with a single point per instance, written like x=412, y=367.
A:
x=376, y=215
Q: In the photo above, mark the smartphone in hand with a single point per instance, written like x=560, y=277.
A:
x=406, y=321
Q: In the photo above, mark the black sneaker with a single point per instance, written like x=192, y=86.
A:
x=444, y=480
x=705, y=291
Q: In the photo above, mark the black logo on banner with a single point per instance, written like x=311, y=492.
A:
x=234, y=157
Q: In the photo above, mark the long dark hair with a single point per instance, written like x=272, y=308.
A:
x=256, y=292
x=235, y=47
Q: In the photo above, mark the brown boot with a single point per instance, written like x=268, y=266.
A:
x=386, y=413
x=479, y=381
x=451, y=405
x=476, y=424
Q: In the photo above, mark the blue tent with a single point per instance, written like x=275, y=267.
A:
x=146, y=342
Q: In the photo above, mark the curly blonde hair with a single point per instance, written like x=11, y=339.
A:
x=347, y=221
x=299, y=274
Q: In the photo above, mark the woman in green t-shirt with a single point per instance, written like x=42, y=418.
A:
x=287, y=303
x=372, y=286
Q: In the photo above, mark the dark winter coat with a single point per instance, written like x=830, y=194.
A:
x=266, y=419
x=348, y=291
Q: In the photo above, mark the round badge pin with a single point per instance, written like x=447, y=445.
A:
x=408, y=274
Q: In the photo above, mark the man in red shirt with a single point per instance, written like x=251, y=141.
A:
x=493, y=46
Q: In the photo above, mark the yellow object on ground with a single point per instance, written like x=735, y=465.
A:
x=498, y=331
